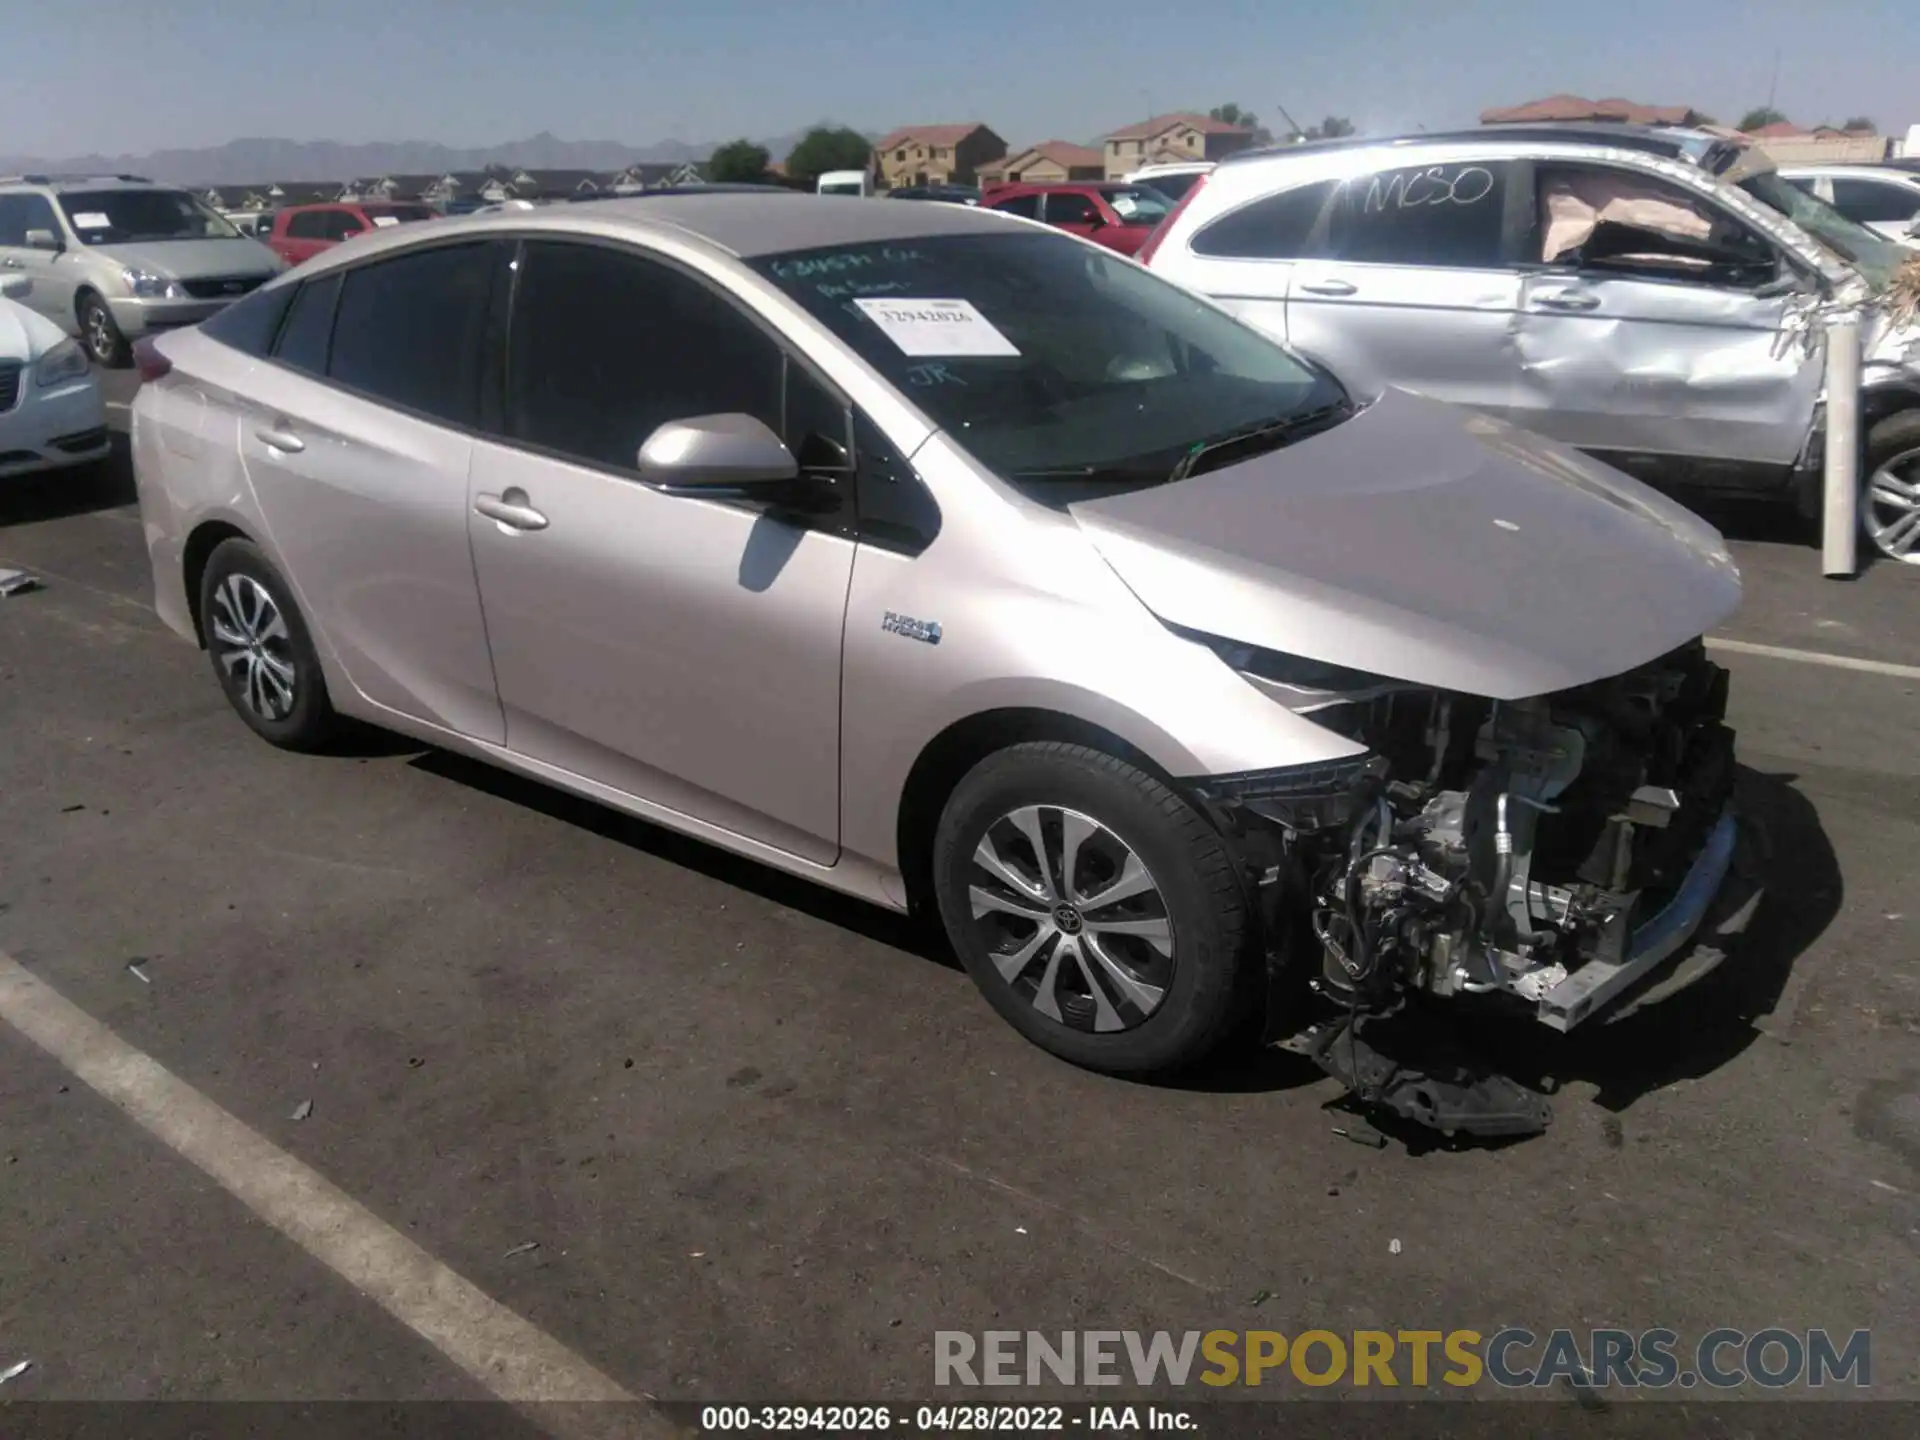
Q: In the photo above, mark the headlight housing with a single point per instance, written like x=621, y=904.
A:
x=65, y=361
x=151, y=285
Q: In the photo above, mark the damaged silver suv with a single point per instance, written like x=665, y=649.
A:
x=953, y=562
x=1653, y=296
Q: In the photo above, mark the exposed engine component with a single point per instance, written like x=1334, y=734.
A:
x=1543, y=854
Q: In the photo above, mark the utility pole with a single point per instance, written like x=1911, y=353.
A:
x=1773, y=83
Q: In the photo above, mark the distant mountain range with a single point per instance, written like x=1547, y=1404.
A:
x=247, y=162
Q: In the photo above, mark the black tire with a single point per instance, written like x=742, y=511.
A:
x=257, y=689
x=1896, y=435
x=1195, y=886
x=100, y=334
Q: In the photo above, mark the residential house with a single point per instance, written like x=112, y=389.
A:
x=936, y=154
x=1166, y=139
x=1049, y=162
x=387, y=188
x=1557, y=109
x=651, y=175
x=555, y=184
x=241, y=199
x=1786, y=143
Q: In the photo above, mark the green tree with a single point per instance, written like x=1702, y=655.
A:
x=1861, y=125
x=823, y=148
x=1759, y=116
x=1334, y=127
x=737, y=162
x=1232, y=114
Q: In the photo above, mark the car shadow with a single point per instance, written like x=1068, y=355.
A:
x=906, y=933
x=56, y=494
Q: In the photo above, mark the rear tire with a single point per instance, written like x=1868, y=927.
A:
x=100, y=334
x=262, y=651
x=1076, y=962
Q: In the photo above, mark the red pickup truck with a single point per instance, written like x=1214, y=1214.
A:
x=1115, y=214
x=301, y=232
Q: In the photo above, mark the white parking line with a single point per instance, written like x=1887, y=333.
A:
x=1815, y=657
x=512, y=1358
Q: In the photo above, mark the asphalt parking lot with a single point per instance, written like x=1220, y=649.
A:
x=764, y=1143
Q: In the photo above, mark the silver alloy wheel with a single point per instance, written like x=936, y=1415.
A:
x=100, y=337
x=1072, y=918
x=1891, y=508
x=252, y=645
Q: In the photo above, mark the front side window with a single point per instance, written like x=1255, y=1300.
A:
x=1623, y=222
x=1448, y=216
x=342, y=224
x=123, y=217
x=1876, y=202
x=1025, y=206
x=308, y=225
x=1069, y=207
x=1058, y=367
x=1276, y=228
x=607, y=347
x=409, y=330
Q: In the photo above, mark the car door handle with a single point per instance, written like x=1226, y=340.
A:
x=510, y=509
x=1329, y=287
x=280, y=439
x=1567, y=300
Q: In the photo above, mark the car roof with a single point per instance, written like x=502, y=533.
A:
x=60, y=183
x=745, y=226
x=1671, y=141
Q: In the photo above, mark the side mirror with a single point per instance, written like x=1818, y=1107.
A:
x=15, y=287
x=43, y=240
x=716, y=455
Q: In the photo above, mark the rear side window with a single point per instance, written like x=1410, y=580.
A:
x=249, y=325
x=606, y=347
x=409, y=330
x=1066, y=207
x=1026, y=206
x=309, y=324
x=1449, y=216
x=1875, y=202
x=308, y=225
x=1276, y=228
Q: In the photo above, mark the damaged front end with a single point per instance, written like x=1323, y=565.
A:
x=1541, y=855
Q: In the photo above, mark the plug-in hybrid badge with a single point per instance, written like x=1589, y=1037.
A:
x=926, y=631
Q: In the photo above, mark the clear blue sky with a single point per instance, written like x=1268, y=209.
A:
x=134, y=75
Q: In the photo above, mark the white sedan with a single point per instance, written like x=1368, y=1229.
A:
x=1884, y=199
x=51, y=413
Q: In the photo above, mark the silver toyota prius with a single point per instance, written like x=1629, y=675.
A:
x=966, y=567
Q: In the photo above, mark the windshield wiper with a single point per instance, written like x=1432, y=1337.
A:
x=1281, y=431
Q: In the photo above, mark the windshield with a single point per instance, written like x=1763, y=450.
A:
x=840, y=187
x=119, y=217
x=1138, y=204
x=1046, y=359
x=1173, y=186
x=1874, y=257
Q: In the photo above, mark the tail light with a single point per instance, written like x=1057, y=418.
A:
x=1161, y=231
x=149, y=361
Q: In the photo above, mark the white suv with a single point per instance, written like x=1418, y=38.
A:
x=1643, y=294
x=1885, y=200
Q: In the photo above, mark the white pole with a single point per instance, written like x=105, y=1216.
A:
x=1840, y=515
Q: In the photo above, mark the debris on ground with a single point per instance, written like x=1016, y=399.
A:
x=1260, y=1297
x=1019, y=1229
x=525, y=1247
x=15, y=1371
x=17, y=582
x=414, y=1062
x=302, y=1110
x=1362, y=1135
x=1393, y=1247
x=71, y=809
x=134, y=969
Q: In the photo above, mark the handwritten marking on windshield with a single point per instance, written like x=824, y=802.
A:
x=926, y=376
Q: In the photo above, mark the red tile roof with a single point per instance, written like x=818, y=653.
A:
x=1064, y=153
x=1160, y=124
x=1574, y=107
x=935, y=135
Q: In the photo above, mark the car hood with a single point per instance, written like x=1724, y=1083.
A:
x=1428, y=544
x=196, y=259
x=24, y=335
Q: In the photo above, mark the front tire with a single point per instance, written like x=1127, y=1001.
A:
x=1890, y=491
x=1096, y=909
x=261, y=649
x=101, y=336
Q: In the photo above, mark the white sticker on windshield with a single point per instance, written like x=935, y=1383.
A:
x=91, y=220
x=936, y=328
x=385, y=220
x=1123, y=205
